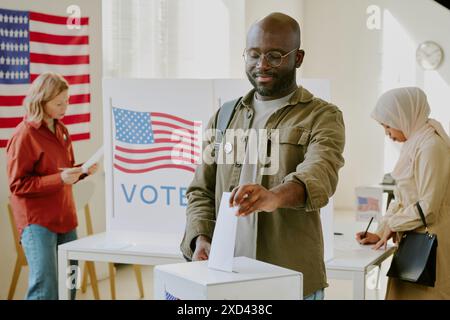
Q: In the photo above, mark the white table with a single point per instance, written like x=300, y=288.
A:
x=352, y=261
x=127, y=247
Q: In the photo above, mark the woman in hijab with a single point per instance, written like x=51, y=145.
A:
x=422, y=174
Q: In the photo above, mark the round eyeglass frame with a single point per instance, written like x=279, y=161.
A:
x=244, y=55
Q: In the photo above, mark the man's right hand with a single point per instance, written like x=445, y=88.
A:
x=202, y=247
x=71, y=175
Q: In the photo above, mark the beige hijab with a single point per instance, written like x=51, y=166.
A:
x=407, y=110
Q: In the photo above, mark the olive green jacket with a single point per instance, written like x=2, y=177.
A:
x=311, y=139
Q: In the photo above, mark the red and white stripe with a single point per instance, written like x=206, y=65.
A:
x=177, y=146
x=53, y=48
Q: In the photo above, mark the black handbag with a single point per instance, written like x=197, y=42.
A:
x=415, y=259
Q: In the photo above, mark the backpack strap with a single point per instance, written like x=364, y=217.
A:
x=224, y=117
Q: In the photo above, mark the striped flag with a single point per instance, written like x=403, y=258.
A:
x=368, y=204
x=148, y=141
x=32, y=43
x=169, y=296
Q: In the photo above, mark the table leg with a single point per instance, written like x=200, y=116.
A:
x=378, y=287
x=359, y=285
x=63, y=264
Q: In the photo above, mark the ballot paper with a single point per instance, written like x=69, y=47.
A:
x=92, y=160
x=222, y=247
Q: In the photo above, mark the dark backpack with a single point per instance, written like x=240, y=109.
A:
x=223, y=120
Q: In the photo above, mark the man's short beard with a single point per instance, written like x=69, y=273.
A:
x=279, y=86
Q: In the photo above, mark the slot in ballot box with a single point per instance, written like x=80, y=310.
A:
x=251, y=279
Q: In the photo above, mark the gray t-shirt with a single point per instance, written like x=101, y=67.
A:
x=247, y=226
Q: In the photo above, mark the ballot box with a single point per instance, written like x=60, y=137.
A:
x=250, y=279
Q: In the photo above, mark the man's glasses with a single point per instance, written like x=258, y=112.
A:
x=273, y=58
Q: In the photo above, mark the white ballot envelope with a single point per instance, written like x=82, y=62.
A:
x=92, y=160
x=222, y=247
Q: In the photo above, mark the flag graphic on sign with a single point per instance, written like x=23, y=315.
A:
x=148, y=141
x=32, y=43
x=170, y=297
x=368, y=204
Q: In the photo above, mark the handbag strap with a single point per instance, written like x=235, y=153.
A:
x=422, y=216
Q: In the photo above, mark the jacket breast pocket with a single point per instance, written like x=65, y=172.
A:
x=293, y=142
x=294, y=135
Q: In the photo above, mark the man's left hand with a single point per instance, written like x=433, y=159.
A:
x=253, y=197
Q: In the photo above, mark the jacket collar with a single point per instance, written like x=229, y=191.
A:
x=38, y=124
x=34, y=124
x=301, y=95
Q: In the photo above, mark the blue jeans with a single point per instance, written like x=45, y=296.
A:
x=40, y=246
x=318, y=295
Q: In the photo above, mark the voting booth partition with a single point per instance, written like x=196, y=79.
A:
x=145, y=186
x=370, y=202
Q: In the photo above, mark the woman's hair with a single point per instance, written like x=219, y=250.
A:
x=43, y=89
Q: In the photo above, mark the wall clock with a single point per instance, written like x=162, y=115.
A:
x=429, y=55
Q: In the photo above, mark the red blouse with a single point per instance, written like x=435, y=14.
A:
x=38, y=195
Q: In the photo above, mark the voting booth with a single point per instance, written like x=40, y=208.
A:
x=251, y=279
x=152, y=139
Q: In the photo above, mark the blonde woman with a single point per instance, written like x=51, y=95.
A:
x=41, y=173
x=422, y=174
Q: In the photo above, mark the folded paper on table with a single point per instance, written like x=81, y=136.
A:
x=224, y=239
x=92, y=160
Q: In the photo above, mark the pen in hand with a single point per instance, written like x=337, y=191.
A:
x=367, y=229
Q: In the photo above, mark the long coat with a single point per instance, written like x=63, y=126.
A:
x=429, y=184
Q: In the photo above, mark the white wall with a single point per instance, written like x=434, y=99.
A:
x=83, y=149
x=433, y=25
x=256, y=9
x=339, y=47
x=361, y=63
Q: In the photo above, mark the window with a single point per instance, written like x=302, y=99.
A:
x=173, y=38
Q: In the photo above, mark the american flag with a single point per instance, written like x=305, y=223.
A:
x=368, y=204
x=170, y=296
x=148, y=141
x=32, y=43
